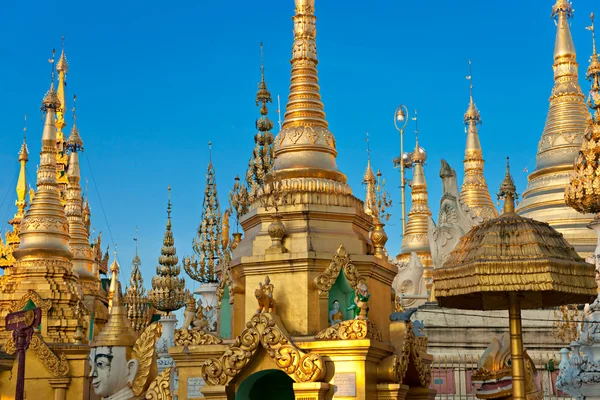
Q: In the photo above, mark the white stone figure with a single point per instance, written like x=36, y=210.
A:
x=112, y=374
x=580, y=376
x=454, y=219
x=409, y=281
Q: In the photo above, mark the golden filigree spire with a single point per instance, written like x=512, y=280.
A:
x=543, y=198
x=168, y=288
x=583, y=191
x=474, y=191
x=261, y=162
x=12, y=241
x=83, y=260
x=136, y=302
x=62, y=158
x=370, y=182
x=415, y=238
x=305, y=148
x=208, y=245
x=117, y=331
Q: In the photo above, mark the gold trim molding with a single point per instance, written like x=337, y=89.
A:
x=32, y=295
x=341, y=262
x=267, y=330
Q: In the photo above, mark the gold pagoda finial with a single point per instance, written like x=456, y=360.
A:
x=168, y=288
x=593, y=75
x=508, y=191
x=561, y=12
x=114, y=280
x=370, y=182
x=22, y=180
x=474, y=191
x=261, y=162
x=415, y=238
x=305, y=148
x=62, y=67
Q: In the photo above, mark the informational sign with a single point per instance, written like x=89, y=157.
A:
x=22, y=319
x=194, y=386
x=344, y=384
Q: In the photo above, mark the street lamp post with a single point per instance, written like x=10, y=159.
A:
x=400, y=121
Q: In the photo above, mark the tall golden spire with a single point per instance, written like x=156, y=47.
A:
x=80, y=242
x=114, y=287
x=168, y=288
x=43, y=260
x=62, y=67
x=474, y=191
x=305, y=148
x=415, y=238
x=62, y=159
x=543, y=199
x=262, y=156
x=12, y=238
x=370, y=182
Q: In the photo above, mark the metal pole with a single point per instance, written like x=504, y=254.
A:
x=516, y=347
x=21, y=345
x=402, y=181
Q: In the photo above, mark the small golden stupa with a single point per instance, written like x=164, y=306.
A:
x=512, y=262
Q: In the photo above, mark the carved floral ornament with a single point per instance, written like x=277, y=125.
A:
x=185, y=337
x=57, y=365
x=160, y=388
x=266, y=330
x=341, y=262
x=352, y=329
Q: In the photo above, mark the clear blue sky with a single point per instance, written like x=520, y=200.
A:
x=156, y=81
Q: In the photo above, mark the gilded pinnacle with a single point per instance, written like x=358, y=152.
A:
x=305, y=148
x=508, y=191
x=564, y=47
x=62, y=65
x=24, y=151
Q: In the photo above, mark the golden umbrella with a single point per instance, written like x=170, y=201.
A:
x=513, y=263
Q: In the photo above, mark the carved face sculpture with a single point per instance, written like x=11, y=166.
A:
x=111, y=371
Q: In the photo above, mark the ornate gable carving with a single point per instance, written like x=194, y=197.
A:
x=341, y=262
x=268, y=331
x=18, y=305
x=57, y=365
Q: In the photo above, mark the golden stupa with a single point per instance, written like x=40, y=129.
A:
x=543, y=199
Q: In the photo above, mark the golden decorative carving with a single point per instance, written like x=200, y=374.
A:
x=143, y=351
x=341, y=262
x=45, y=305
x=160, y=388
x=350, y=330
x=186, y=337
x=57, y=365
x=267, y=330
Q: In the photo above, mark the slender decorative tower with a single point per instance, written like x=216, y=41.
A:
x=415, y=238
x=62, y=159
x=168, y=292
x=543, y=199
x=474, y=191
x=208, y=245
x=12, y=241
x=136, y=302
x=83, y=260
x=43, y=259
x=305, y=148
x=261, y=162
x=114, y=286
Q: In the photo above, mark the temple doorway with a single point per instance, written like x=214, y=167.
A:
x=270, y=384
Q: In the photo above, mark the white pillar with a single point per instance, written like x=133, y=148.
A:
x=166, y=340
